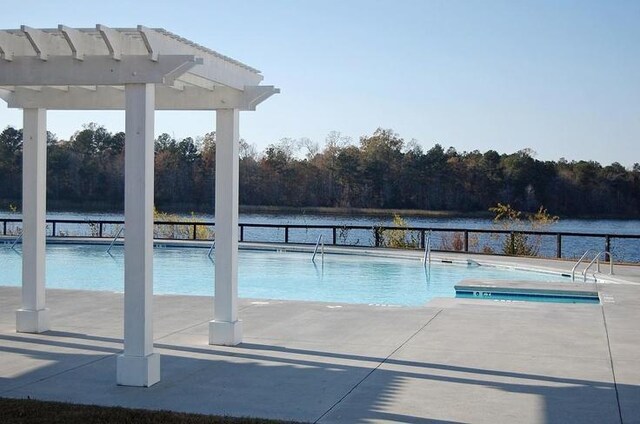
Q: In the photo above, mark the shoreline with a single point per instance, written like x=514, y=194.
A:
x=316, y=210
x=303, y=210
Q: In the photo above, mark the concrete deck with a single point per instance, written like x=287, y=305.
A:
x=454, y=360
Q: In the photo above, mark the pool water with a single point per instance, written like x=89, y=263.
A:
x=264, y=274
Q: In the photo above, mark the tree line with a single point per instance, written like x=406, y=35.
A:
x=381, y=171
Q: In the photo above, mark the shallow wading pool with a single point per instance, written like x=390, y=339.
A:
x=264, y=274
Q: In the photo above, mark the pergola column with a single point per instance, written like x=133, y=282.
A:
x=226, y=329
x=138, y=365
x=33, y=317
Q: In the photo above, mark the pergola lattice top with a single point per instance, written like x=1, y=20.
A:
x=67, y=68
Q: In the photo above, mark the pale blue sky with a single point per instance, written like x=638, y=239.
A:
x=560, y=77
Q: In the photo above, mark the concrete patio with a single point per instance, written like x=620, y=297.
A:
x=451, y=361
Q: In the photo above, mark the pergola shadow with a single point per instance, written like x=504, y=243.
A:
x=270, y=381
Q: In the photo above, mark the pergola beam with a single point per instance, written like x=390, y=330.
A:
x=94, y=70
x=196, y=81
x=167, y=98
x=254, y=95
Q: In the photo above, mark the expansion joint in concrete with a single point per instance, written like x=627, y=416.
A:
x=378, y=366
x=613, y=370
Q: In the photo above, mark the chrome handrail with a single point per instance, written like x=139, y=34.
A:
x=573, y=270
x=213, y=245
x=114, y=240
x=315, y=250
x=597, y=261
x=13, y=245
x=427, y=250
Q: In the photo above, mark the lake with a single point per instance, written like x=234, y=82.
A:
x=608, y=226
x=623, y=249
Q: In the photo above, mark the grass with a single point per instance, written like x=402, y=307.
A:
x=361, y=211
x=29, y=411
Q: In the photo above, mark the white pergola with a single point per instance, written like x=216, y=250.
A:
x=138, y=70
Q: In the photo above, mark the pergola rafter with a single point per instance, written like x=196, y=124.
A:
x=113, y=57
x=137, y=70
x=107, y=97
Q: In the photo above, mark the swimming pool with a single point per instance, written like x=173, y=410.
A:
x=264, y=274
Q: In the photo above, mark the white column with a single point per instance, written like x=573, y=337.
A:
x=33, y=317
x=138, y=365
x=226, y=329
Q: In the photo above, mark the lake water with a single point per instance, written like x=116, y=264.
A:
x=608, y=226
x=623, y=249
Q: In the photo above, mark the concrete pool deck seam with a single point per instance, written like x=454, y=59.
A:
x=378, y=366
x=613, y=369
x=240, y=309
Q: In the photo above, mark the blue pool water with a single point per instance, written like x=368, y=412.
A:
x=264, y=274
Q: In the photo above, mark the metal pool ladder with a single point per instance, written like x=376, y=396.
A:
x=114, y=240
x=596, y=260
x=427, y=250
x=315, y=250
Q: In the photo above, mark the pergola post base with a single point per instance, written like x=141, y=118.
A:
x=138, y=371
x=32, y=321
x=224, y=333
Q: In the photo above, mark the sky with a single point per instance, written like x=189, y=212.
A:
x=559, y=77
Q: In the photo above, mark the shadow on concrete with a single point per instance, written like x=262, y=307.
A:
x=302, y=384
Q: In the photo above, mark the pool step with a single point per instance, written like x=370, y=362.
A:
x=527, y=290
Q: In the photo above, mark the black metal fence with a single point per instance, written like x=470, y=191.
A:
x=624, y=247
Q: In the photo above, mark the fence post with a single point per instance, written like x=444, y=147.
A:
x=607, y=247
x=286, y=234
x=241, y=232
x=376, y=234
x=4, y=228
x=558, y=245
x=422, y=239
x=194, y=232
x=466, y=240
x=333, y=231
x=513, y=243
x=53, y=229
